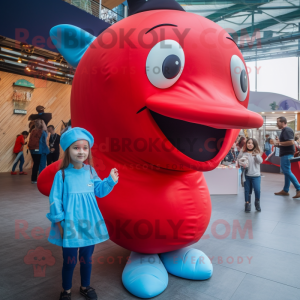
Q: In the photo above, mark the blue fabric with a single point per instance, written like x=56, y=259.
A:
x=74, y=203
x=74, y=134
x=268, y=152
x=19, y=158
x=43, y=161
x=289, y=177
x=43, y=147
x=43, y=150
x=267, y=146
x=144, y=275
x=252, y=182
x=71, y=42
x=188, y=263
x=70, y=261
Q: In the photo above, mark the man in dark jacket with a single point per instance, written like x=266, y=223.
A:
x=54, y=141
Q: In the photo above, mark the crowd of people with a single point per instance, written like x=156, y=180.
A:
x=43, y=145
x=248, y=155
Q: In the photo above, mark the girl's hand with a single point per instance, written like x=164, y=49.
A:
x=114, y=174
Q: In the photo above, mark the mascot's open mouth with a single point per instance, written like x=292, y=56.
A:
x=199, y=142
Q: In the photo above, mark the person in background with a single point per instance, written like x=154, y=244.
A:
x=44, y=149
x=65, y=126
x=272, y=145
x=267, y=146
x=229, y=157
x=18, y=150
x=252, y=177
x=234, y=151
x=296, y=142
x=286, y=152
x=54, y=141
x=240, y=144
x=40, y=109
x=37, y=146
x=31, y=126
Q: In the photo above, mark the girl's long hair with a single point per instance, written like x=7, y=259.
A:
x=67, y=159
x=256, y=148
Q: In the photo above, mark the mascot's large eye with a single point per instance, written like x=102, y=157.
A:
x=239, y=77
x=165, y=63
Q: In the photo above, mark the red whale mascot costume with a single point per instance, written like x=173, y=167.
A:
x=164, y=93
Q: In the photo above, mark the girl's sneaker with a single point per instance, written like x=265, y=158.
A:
x=22, y=173
x=89, y=293
x=13, y=173
x=257, y=205
x=65, y=296
x=247, y=207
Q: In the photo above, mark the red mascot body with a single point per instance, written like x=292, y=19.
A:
x=160, y=134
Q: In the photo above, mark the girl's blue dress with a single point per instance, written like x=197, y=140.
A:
x=73, y=202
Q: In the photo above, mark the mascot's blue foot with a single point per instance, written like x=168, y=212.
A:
x=188, y=263
x=145, y=275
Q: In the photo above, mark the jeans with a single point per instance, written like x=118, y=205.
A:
x=19, y=157
x=36, y=164
x=70, y=261
x=42, y=165
x=252, y=182
x=52, y=157
x=289, y=177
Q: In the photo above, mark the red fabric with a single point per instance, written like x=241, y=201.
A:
x=265, y=162
x=19, y=144
x=295, y=168
x=111, y=85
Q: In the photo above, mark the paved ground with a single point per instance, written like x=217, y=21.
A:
x=264, y=267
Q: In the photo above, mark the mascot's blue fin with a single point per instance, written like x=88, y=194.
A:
x=71, y=42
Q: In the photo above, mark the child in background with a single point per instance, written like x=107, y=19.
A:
x=18, y=150
x=251, y=150
x=76, y=219
x=272, y=145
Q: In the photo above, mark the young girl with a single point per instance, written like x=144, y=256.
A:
x=18, y=150
x=252, y=152
x=77, y=222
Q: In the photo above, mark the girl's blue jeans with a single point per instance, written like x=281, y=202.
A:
x=20, y=159
x=252, y=182
x=289, y=177
x=70, y=261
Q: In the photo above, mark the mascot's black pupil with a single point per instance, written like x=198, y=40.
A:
x=171, y=66
x=244, y=81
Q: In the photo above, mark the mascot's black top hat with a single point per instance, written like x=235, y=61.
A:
x=136, y=6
